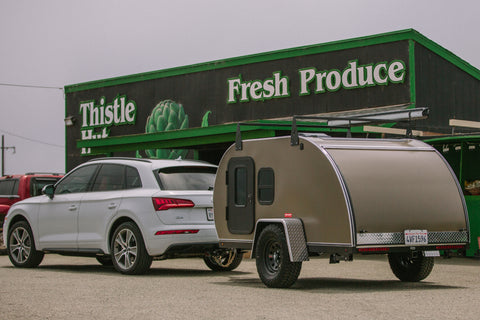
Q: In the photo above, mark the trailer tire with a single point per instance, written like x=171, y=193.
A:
x=408, y=268
x=273, y=261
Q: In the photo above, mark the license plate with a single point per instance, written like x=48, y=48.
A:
x=210, y=214
x=416, y=237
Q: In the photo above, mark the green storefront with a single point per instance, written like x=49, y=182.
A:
x=463, y=154
x=193, y=111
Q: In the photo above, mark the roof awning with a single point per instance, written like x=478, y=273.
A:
x=186, y=138
x=224, y=133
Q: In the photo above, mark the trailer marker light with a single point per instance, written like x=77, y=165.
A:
x=188, y=231
x=447, y=247
x=170, y=203
x=373, y=249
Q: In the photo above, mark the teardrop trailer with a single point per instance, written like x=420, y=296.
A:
x=294, y=197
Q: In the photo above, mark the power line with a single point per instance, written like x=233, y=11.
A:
x=29, y=86
x=32, y=140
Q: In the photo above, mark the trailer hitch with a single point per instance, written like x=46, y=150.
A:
x=336, y=258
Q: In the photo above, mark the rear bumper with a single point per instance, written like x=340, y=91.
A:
x=158, y=245
x=398, y=238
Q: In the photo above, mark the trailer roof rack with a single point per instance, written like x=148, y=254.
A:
x=342, y=121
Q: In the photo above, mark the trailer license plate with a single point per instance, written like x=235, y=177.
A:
x=416, y=237
x=210, y=214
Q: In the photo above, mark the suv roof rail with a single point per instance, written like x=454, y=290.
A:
x=121, y=158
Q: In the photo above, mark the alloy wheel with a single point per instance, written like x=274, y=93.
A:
x=125, y=249
x=20, y=245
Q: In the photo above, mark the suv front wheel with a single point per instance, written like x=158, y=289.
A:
x=21, y=247
x=129, y=255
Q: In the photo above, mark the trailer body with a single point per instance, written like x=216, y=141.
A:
x=339, y=196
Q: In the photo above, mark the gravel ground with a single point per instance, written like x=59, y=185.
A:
x=80, y=288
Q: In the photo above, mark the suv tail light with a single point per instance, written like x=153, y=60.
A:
x=171, y=203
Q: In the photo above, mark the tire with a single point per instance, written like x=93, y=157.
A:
x=105, y=260
x=223, y=259
x=273, y=261
x=21, y=246
x=408, y=268
x=129, y=255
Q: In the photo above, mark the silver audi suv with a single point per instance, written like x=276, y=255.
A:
x=123, y=211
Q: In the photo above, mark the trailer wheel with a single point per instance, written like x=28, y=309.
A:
x=408, y=268
x=273, y=261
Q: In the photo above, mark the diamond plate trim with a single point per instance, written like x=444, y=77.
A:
x=395, y=238
x=296, y=240
x=448, y=237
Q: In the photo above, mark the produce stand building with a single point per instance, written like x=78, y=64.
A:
x=192, y=111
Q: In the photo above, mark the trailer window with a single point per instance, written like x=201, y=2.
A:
x=266, y=183
x=241, y=186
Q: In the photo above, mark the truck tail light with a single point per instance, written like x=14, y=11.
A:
x=170, y=203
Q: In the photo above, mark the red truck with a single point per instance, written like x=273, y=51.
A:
x=14, y=188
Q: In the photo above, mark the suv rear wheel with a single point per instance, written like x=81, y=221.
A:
x=21, y=247
x=129, y=255
x=223, y=259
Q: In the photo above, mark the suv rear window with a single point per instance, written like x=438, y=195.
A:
x=186, y=178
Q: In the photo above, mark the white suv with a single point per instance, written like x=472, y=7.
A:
x=123, y=211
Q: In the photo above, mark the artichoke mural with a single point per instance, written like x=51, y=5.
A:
x=167, y=115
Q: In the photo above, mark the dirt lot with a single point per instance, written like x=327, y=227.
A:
x=79, y=288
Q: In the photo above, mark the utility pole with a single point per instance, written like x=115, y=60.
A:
x=3, y=154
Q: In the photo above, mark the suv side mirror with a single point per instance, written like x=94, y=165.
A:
x=49, y=190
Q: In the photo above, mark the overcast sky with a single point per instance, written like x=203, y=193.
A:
x=47, y=44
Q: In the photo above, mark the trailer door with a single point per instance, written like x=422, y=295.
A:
x=241, y=195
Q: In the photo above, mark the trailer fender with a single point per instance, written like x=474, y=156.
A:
x=294, y=233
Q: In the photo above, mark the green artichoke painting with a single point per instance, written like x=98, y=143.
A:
x=167, y=115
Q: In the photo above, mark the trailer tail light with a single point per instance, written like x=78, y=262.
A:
x=366, y=250
x=164, y=232
x=170, y=203
x=450, y=247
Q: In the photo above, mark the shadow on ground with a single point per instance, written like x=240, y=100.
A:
x=155, y=272
x=343, y=285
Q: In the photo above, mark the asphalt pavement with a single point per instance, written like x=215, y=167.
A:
x=80, y=288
